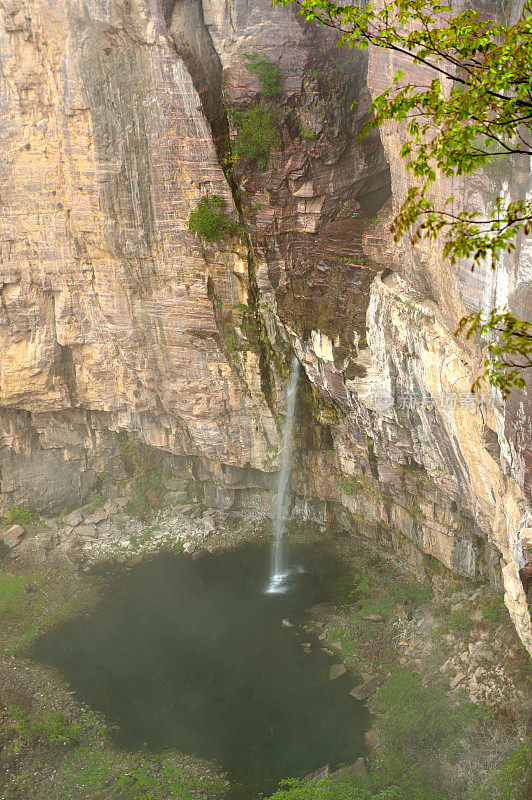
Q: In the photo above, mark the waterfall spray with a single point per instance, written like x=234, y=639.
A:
x=278, y=567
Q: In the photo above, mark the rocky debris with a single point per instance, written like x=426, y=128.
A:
x=481, y=656
x=86, y=531
x=336, y=670
x=458, y=678
x=425, y=626
x=321, y=612
x=176, y=497
x=358, y=768
x=74, y=518
x=366, y=689
x=371, y=739
x=415, y=665
x=13, y=536
x=89, y=535
x=95, y=517
x=286, y=623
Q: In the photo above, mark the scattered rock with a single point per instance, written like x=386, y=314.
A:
x=175, y=497
x=415, y=664
x=336, y=670
x=335, y=645
x=87, y=531
x=74, y=518
x=190, y=547
x=209, y=526
x=321, y=611
x=305, y=646
x=111, y=507
x=367, y=688
x=358, y=768
x=425, y=625
x=175, y=485
x=105, y=528
x=13, y=536
x=478, y=652
x=371, y=739
x=286, y=623
x=372, y=617
x=458, y=678
x=97, y=516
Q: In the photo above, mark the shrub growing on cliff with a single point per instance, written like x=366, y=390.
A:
x=256, y=133
x=510, y=781
x=209, y=219
x=19, y=516
x=268, y=73
x=414, y=719
x=476, y=108
x=143, y=465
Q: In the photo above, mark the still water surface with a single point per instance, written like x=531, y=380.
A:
x=190, y=653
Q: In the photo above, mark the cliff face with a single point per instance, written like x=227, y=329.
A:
x=114, y=317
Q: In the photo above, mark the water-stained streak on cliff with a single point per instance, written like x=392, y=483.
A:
x=194, y=44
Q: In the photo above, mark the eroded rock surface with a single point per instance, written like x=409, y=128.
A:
x=114, y=317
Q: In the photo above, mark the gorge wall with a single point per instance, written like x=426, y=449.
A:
x=114, y=317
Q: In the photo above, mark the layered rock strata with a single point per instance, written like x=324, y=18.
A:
x=114, y=317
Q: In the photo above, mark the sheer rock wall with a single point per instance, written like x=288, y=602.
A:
x=115, y=318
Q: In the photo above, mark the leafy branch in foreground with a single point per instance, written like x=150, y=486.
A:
x=510, y=353
x=476, y=108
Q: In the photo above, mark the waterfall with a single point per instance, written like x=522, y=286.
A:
x=278, y=566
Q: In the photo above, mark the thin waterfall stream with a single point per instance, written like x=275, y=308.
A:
x=278, y=567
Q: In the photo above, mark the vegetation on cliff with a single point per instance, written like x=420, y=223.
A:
x=209, y=219
x=476, y=109
x=257, y=127
x=268, y=73
x=256, y=133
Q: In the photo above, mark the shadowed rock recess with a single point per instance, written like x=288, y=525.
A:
x=115, y=318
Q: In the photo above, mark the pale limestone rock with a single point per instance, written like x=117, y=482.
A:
x=74, y=518
x=13, y=536
x=86, y=531
x=458, y=678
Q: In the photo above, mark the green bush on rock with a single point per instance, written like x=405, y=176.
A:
x=209, y=219
x=256, y=133
x=268, y=73
x=19, y=516
x=414, y=719
x=143, y=465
